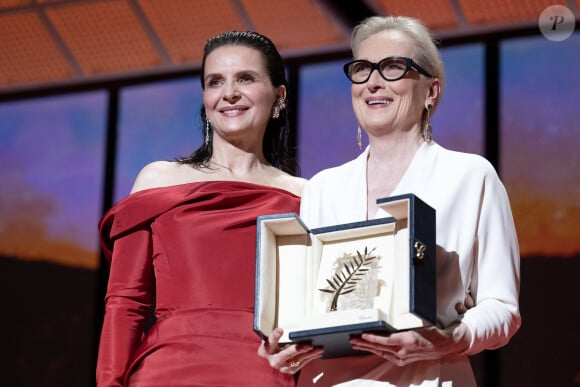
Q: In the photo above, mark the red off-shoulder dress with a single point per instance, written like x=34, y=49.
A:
x=188, y=251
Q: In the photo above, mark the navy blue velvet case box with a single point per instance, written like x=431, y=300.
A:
x=327, y=284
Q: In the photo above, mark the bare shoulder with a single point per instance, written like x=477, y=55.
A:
x=156, y=174
x=291, y=183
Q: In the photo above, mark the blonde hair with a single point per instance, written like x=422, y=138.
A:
x=428, y=55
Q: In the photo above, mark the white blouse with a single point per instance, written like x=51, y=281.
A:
x=477, y=252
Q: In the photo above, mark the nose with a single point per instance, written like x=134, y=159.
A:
x=231, y=92
x=375, y=80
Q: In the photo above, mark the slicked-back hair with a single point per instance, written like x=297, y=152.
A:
x=275, y=142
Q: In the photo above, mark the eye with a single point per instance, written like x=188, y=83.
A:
x=360, y=67
x=393, y=65
x=213, y=82
x=246, y=78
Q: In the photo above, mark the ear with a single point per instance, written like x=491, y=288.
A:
x=433, y=90
x=281, y=93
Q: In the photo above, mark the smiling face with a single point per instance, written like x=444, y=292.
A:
x=381, y=106
x=238, y=94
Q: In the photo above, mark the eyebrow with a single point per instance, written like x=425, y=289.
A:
x=236, y=74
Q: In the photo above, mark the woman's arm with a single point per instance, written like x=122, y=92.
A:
x=128, y=299
x=495, y=281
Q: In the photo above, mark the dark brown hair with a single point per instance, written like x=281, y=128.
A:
x=275, y=142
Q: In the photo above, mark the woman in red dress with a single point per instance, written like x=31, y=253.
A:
x=183, y=241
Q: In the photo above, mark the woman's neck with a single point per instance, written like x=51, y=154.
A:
x=387, y=163
x=235, y=160
x=393, y=150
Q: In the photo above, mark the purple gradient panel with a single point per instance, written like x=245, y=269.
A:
x=540, y=162
x=458, y=123
x=158, y=121
x=52, y=158
x=326, y=123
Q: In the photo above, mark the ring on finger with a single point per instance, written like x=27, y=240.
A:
x=293, y=362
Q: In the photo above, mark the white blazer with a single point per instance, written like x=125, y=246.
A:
x=477, y=251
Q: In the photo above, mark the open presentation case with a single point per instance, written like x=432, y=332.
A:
x=327, y=284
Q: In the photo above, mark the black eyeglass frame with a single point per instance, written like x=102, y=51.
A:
x=409, y=64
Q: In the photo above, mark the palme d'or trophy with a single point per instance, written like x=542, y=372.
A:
x=355, y=279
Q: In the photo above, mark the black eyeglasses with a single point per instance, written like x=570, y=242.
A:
x=392, y=68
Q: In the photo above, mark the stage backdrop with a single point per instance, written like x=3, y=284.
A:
x=52, y=162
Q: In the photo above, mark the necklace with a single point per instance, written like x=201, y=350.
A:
x=219, y=165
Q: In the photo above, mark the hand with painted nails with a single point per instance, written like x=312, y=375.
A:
x=289, y=358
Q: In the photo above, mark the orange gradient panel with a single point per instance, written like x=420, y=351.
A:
x=5, y=4
x=28, y=52
x=545, y=227
x=294, y=25
x=104, y=36
x=436, y=14
x=184, y=25
x=504, y=11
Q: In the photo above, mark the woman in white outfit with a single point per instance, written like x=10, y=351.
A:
x=477, y=250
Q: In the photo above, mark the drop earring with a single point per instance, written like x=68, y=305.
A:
x=207, y=129
x=359, y=138
x=279, y=105
x=427, y=133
